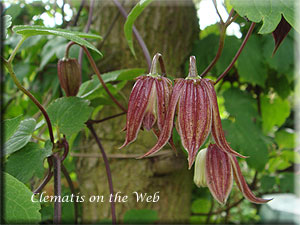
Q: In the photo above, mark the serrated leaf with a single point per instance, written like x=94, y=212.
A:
x=140, y=216
x=274, y=112
x=90, y=86
x=7, y=23
x=10, y=126
x=28, y=161
x=132, y=16
x=21, y=137
x=18, y=207
x=250, y=63
x=269, y=12
x=246, y=138
x=240, y=104
x=69, y=114
x=74, y=36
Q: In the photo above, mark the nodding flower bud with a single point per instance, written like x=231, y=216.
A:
x=69, y=75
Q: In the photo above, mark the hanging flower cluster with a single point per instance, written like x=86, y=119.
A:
x=194, y=101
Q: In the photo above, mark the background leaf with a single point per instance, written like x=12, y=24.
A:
x=128, y=26
x=18, y=207
x=70, y=35
x=69, y=114
x=274, y=112
x=250, y=64
x=21, y=137
x=28, y=161
x=10, y=126
x=7, y=24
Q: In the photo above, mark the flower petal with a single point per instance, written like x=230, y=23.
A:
x=138, y=101
x=150, y=114
x=218, y=173
x=194, y=118
x=241, y=183
x=163, y=91
x=168, y=126
x=217, y=130
x=200, y=167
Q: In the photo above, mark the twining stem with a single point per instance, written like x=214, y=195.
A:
x=153, y=69
x=57, y=187
x=106, y=118
x=95, y=68
x=137, y=34
x=72, y=188
x=221, y=41
x=108, y=172
x=13, y=54
x=86, y=29
x=47, y=178
x=8, y=65
x=237, y=54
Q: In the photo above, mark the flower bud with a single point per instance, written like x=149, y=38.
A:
x=69, y=75
x=199, y=175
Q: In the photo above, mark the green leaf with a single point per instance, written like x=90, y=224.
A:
x=201, y=205
x=21, y=136
x=250, y=63
x=128, y=26
x=283, y=60
x=7, y=24
x=74, y=36
x=69, y=114
x=18, y=207
x=269, y=12
x=287, y=183
x=28, y=161
x=246, y=137
x=10, y=126
x=285, y=138
x=267, y=183
x=90, y=86
x=274, y=112
x=240, y=103
x=140, y=216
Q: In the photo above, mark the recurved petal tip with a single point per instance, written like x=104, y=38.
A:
x=242, y=184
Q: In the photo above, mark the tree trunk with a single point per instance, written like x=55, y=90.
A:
x=168, y=27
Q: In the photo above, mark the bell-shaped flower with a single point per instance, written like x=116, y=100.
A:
x=148, y=103
x=197, y=115
x=216, y=169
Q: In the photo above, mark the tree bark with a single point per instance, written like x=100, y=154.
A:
x=168, y=27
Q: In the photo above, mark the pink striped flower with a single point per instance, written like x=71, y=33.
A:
x=148, y=103
x=197, y=115
x=216, y=169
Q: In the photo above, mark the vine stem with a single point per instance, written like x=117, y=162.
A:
x=57, y=187
x=238, y=53
x=95, y=68
x=137, y=34
x=72, y=188
x=13, y=54
x=8, y=65
x=108, y=172
x=107, y=118
x=221, y=40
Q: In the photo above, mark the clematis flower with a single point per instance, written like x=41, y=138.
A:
x=216, y=169
x=148, y=103
x=197, y=115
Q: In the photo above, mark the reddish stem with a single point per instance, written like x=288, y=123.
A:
x=237, y=54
